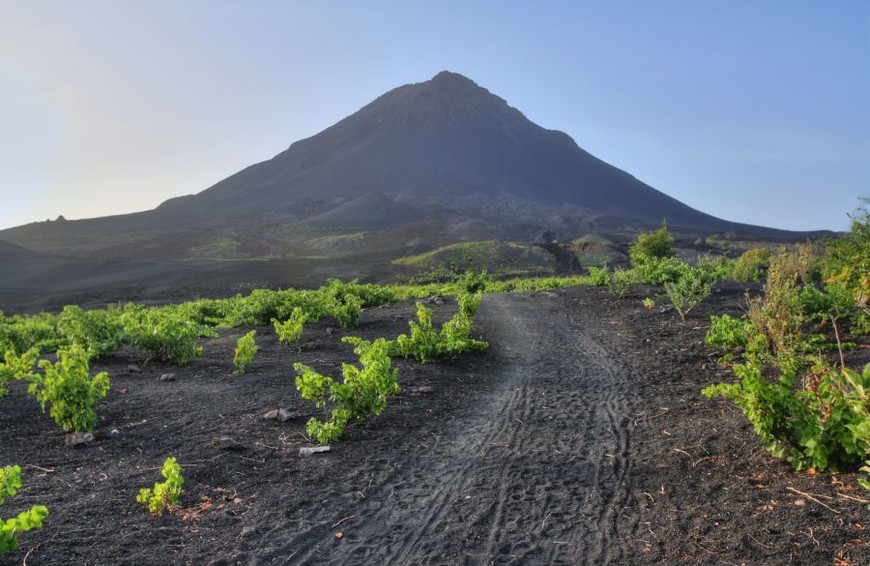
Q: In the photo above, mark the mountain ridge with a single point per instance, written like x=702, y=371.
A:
x=446, y=159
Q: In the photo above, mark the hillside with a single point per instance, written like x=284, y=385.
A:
x=427, y=164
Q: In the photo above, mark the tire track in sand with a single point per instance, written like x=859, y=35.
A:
x=535, y=472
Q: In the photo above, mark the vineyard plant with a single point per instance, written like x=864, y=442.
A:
x=12, y=528
x=787, y=354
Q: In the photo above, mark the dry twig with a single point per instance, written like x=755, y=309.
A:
x=813, y=499
x=343, y=520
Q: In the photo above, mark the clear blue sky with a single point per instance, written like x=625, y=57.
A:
x=756, y=111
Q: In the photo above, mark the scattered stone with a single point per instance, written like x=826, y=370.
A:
x=436, y=300
x=248, y=531
x=329, y=331
x=134, y=369
x=282, y=415
x=78, y=438
x=310, y=450
x=167, y=377
x=227, y=443
x=421, y=390
x=339, y=535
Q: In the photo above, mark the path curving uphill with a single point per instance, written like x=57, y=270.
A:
x=533, y=471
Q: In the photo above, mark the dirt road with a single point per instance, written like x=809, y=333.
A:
x=533, y=471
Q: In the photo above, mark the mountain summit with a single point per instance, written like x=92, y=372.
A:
x=425, y=164
x=451, y=142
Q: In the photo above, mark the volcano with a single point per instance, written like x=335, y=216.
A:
x=424, y=165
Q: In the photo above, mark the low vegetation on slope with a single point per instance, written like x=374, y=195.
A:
x=786, y=353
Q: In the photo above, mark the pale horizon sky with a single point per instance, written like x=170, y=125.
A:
x=753, y=111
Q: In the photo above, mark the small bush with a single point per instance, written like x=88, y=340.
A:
x=15, y=367
x=688, y=291
x=165, y=493
x=100, y=332
x=825, y=425
x=70, y=390
x=246, y=349
x=752, y=265
x=290, y=330
x=598, y=276
x=622, y=282
x=804, y=410
x=11, y=529
x=363, y=392
x=650, y=247
x=426, y=344
x=662, y=270
x=165, y=333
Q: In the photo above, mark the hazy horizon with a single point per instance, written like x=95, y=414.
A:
x=752, y=112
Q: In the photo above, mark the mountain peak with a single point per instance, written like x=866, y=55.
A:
x=451, y=78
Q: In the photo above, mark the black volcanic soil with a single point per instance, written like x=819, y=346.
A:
x=579, y=437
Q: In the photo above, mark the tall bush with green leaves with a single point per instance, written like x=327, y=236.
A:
x=362, y=393
x=846, y=266
x=70, y=390
x=12, y=528
x=805, y=410
x=653, y=246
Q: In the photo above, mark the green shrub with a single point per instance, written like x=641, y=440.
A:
x=25, y=332
x=164, y=333
x=621, y=282
x=290, y=330
x=426, y=344
x=16, y=367
x=165, y=493
x=246, y=349
x=469, y=303
x=778, y=319
x=811, y=414
x=422, y=342
x=362, y=393
x=752, y=265
x=730, y=334
x=846, y=266
x=650, y=247
x=659, y=271
x=715, y=268
x=100, y=332
x=688, y=291
x=70, y=390
x=598, y=276
x=825, y=425
x=471, y=282
x=11, y=529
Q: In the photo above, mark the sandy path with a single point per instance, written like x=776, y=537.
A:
x=535, y=472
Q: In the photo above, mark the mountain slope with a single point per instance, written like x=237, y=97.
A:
x=443, y=159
